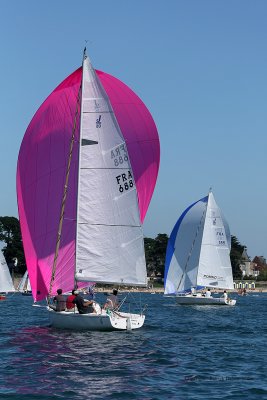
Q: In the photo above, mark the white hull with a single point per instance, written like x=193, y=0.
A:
x=201, y=300
x=95, y=322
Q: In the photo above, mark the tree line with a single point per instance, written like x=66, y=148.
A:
x=155, y=249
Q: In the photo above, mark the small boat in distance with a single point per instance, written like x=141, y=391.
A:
x=6, y=284
x=198, y=255
x=24, y=286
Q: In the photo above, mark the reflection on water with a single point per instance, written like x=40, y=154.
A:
x=176, y=355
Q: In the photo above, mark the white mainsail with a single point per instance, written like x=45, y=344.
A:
x=215, y=268
x=109, y=237
x=6, y=284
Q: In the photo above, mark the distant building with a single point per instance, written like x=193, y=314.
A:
x=246, y=266
x=259, y=265
x=244, y=285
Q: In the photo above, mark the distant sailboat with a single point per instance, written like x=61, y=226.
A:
x=24, y=286
x=198, y=255
x=6, y=284
x=104, y=191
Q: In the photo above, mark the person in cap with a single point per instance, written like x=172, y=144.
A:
x=83, y=306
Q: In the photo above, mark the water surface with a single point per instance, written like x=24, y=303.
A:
x=182, y=352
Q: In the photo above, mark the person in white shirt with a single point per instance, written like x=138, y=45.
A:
x=112, y=301
x=225, y=295
x=208, y=293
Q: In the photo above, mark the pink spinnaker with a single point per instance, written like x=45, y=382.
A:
x=41, y=174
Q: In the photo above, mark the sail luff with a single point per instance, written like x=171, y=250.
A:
x=79, y=164
x=204, y=219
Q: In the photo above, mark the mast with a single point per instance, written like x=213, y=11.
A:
x=204, y=213
x=62, y=212
x=79, y=164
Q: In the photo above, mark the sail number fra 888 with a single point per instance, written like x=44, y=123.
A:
x=119, y=155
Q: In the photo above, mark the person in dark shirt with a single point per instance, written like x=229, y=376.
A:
x=60, y=301
x=84, y=306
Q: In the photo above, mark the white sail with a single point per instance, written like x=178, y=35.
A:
x=24, y=283
x=6, y=284
x=28, y=287
x=215, y=268
x=198, y=252
x=183, y=249
x=109, y=241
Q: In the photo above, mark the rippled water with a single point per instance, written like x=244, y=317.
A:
x=182, y=352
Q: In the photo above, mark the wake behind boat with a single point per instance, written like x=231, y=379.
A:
x=198, y=255
x=99, y=236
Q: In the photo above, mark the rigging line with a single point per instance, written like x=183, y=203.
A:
x=134, y=299
x=192, y=247
x=65, y=193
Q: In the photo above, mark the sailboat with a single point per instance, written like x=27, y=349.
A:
x=198, y=255
x=90, y=202
x=6, y=284
x=24, y=286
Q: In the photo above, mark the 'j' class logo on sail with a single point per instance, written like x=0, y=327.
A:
x=119, y=155
x=125, y=181
x=97, y=106
x=98, y=122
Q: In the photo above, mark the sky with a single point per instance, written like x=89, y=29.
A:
x=200, y=66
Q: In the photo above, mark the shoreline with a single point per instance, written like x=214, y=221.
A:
x=259, y=289
x=161, y=290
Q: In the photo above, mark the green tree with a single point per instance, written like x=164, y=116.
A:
x=155, y=250
x=10, y=234
x=263, y=275
x=236, y=257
